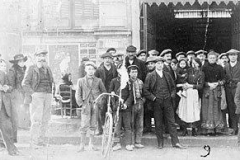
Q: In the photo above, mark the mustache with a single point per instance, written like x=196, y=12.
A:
x=42, y=60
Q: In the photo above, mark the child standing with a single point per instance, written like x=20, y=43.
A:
x=182, y=75
x=88, y=89
x=135, y=89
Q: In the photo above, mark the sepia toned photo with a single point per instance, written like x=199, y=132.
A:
x=119, y=79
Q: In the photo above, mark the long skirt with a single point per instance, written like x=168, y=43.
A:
x=189, y=106
x=211, y=110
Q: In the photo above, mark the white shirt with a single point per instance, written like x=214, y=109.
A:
x=131, y=61
x=160, y=73
x=232, y=64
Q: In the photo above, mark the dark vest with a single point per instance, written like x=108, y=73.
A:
x=161, y=88
x=45, y=83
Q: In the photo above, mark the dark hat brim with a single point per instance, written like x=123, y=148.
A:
x=15, y=61
x=41, y=52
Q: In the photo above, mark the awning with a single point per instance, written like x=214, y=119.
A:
x=193, y=4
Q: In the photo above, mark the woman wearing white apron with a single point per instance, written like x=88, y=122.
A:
x=190, y=104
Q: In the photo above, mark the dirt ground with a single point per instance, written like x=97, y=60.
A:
x=70, y=152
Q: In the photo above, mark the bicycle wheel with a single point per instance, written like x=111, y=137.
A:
x=107, y=135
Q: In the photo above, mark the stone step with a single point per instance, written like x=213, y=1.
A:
x=66, y=131
x=149, y=139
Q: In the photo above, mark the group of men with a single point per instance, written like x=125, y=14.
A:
x=152, y=75
x=146, y=81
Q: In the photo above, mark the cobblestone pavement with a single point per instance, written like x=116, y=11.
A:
x=69, y=152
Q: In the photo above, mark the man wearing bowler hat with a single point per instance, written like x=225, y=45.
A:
x=15, y=76
x=106, y=72
x=160, y=88
x=132, y=60
x=232, y=78
x=38, y=82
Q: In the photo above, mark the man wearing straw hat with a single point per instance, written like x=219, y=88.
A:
x=38, y=83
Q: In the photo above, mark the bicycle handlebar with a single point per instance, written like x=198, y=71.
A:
x=109, y=94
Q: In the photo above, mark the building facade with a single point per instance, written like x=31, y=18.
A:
x=72, y=29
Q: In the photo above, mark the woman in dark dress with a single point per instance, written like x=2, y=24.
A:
x=212, y=121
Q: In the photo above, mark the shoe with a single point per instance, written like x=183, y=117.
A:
x=194, y=133
x=129, y=147
x=179, y=146
x=160, y=146
x=139, y=145
x=117, y=147
x=184, y=133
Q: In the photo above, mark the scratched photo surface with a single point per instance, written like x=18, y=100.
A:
x=119, y=79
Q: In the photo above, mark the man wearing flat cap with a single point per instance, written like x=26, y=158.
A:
x=82, y=72
x=160, y=88
x=180, y=55
x=142, y=55
x=148, y=105
x=106, y=72
x=153, y=52
x=117, y=58
x=190, y=56
x=132, y=60
x=38, y=83
x=223, y=59
x=232, y=78
x=19, y=110
x=167, y=55
x=201, y=54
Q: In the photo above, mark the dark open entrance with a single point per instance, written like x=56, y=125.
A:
x=188, y=27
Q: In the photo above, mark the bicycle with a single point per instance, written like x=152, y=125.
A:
x=108, y=131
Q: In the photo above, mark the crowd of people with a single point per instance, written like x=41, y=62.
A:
x=197, y=91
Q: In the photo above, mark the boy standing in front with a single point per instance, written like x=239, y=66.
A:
x=88, y=89
x=135, y=88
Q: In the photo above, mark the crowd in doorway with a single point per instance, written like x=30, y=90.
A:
x=198, y=91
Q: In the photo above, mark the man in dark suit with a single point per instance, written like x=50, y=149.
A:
x=132, y=60
x=160, y=88
x=232, y=78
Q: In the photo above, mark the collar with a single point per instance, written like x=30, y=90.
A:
x=160, y=73
x=89, y=77
x=232, y=64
